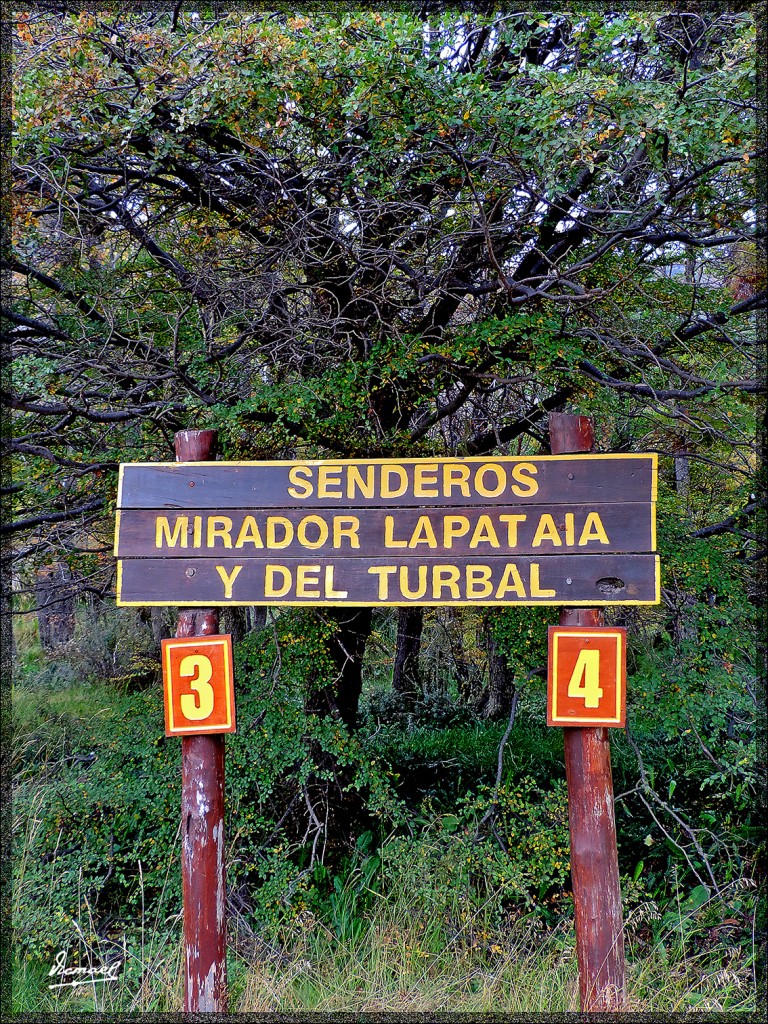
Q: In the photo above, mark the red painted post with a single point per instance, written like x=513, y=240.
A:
x=594, y=854
x=202, y=816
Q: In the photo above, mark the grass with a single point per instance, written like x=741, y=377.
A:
x=401, y=951
x=390, y=968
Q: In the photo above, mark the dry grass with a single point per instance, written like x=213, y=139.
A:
x=388, y=968
x=388, y=971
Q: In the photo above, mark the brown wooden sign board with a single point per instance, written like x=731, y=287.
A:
x=588, y=580
x=541, y=480
x=565, y=530
x=535, y=529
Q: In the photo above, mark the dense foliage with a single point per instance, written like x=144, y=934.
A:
x=349, y=236
x=383, y=234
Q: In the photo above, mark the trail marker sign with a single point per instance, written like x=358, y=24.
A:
x=198, y=685
x=587, y=676
x=553, y=530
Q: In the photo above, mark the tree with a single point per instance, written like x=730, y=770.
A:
x=344, y=235
x=405, y=668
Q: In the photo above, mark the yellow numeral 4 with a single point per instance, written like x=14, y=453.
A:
x=585, y=679
x=195, y=709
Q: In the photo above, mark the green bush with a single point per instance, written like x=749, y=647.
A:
x=496, y=856
x=96, y=829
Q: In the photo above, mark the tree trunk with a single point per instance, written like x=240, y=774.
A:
x=7, y=637
x=235, y=622
x=333, y=810
x=682, y=476
x=55, y=605
x=501, y=681
x=162, y=625
x=341, y=695
x=682, y=464
x=405, y=672
x=257, y=618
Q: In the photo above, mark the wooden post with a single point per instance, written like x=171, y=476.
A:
x=202, y=816
x=594, y=855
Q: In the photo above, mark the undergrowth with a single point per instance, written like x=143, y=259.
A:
x=448, y=887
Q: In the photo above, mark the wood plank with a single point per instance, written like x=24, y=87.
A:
x=555, y=479
x=551, y=579
x=372, y=532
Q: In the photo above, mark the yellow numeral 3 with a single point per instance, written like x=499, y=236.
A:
x=196, y=708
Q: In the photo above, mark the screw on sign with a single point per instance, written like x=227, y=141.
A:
x=198, y=684
x=586, y=679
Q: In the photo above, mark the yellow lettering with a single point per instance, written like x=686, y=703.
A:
x=327, y=477
x=355, y=479
x=304, y=580
x=423, y=533
x=425, y=480
x=510, y=582
x=484, y=532
x=456, y=476
x=272, y=523
x=346, y=526
x=546, y=530
x=303, y=488
x=530, y=486
x=249, y=534
x=197, y=535
x=536, y=590
x=322, y=528
x=387, y=472
x=445, y=576
x=454, y=526
x=479, y=581
x=270, y=589
x=383, y=572
x=389, y=540
x=501, y=480
x=228, y=579
x=588, y=533
x=512, y=522
x=219, y=526
x=329, y=591
x=163, y=530
x=405, y=590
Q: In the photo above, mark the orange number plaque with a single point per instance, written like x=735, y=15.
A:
x=198, y=685
x=587, y=676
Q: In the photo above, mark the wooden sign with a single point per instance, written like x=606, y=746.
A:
x=566, y=529
x=198, y=685
x=568, y=580
x=542, y=479
x=538, y=529
x=587, y=676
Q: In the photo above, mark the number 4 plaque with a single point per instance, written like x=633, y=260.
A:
x=587, y=676
x=198, y=685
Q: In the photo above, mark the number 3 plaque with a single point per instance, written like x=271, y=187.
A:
x=198, y=685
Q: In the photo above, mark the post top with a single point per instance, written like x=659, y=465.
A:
x=569, y=434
